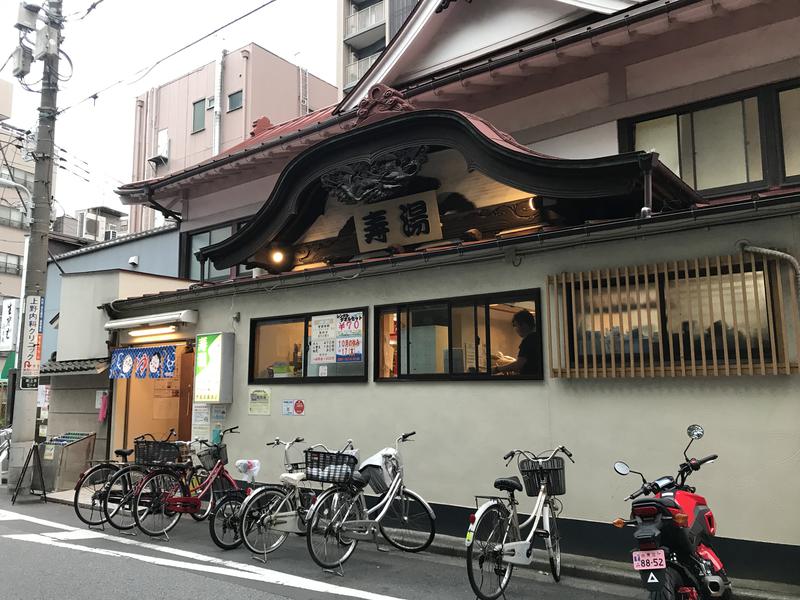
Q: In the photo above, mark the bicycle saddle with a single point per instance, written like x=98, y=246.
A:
x=123, y=452
x=293, y=479
x=508, y=484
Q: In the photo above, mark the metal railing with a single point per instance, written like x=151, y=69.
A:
x=355, y=71
x=364, y=19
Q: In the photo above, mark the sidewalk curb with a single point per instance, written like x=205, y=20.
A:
x=596, y=569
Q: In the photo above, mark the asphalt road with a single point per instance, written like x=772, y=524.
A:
x=46, y=553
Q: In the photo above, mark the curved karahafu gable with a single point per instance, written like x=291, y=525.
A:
x=387, y=149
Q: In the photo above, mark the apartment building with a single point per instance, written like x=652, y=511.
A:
x=194, y=117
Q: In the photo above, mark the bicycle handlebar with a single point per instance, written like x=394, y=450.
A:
x=530, y=455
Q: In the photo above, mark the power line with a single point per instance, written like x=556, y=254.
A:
x=142, y=73
x=92, y=6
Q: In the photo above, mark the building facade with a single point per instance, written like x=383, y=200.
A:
x=188, y=120
x=427, y=209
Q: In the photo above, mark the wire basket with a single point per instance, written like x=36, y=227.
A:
x=551, y=471
x=209, y=457
x=149, y=452
x=329, y=467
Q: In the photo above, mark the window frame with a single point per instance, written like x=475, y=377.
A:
x=194, y=114
x=307, y=316
x=770, y=135
x=523, y=295
x=241, y=105
x=186, y=256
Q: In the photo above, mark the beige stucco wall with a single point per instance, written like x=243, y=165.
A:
x=72, y=407
x=465, y=428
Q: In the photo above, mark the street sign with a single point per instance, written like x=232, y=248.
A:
x=8, y=325
x=31, y=355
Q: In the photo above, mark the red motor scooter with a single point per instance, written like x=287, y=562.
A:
x=674, y=531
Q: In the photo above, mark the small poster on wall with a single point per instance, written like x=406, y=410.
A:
x=322, y=351
x=201, y=421
x=293, y=408
x=323, y=327
x=260, y=400
x=348, y=349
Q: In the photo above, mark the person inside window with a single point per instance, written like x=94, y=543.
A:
x=524, y=324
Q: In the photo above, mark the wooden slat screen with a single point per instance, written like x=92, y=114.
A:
x=707, y=316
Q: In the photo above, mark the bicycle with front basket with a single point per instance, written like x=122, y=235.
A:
x=340, y=518
x=494, y=540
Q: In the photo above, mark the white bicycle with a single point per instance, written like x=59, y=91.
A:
x=494, y=542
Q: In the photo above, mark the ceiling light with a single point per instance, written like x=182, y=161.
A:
x=277, y=256
x=152, y=331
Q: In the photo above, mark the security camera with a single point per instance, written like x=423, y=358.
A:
x=133, y=261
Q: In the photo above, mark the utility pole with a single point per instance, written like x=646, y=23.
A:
x=35, y=276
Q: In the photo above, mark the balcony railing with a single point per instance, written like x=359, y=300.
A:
x=364, y=19
x=355, y=71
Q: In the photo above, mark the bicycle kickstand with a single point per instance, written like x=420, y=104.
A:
x=377, y=544
x=338, y=572
x=259, y=559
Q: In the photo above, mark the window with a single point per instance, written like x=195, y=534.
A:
x=710, y=148
x=315, y=347
x=710, y=316
x=234, y=101
x=10, y=263
x=201, y=240
x=12, y=217
x=790, y=129
x=479, y=337
x=210, y=103
x=16, y=175
x=198, y=116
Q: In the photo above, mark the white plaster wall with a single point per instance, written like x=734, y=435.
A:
x=592, y=142
x=465, y=428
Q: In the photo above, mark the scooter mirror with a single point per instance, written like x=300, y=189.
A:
x=695, y=431
x=622, y=468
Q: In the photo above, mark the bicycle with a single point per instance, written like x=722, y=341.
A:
x=278, y=510
x=162, y=496
x=340, y=518
x=92, y=484
x=122, y=486
x=494, y=541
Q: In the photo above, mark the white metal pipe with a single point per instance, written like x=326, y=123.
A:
x=784, y=256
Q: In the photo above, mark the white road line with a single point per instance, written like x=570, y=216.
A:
x=7, y=515
x=77, y=534
x=213, y=564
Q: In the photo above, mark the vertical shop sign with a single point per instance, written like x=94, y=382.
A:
x=8, y=324
x=213, y=368
x=31, y=358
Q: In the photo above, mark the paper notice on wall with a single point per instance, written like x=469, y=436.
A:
x=293, y=408
x=43, y=396
x=201, y=421
x=218, y=413
x=323, y=371
x=348, y=324
x=322, y=351
x=98, y=398
x=323, y=327
x=260, y=401
x=49, y=451
x=349, y=349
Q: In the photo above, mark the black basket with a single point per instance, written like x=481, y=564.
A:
x=209, y=457
x=149, y=452
x=533, y=473
x=329, y=467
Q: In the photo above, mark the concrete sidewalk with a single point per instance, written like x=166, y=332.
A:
x=583, y=567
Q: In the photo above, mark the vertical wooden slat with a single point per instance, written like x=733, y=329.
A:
x=735, y=311
x=562, y=342
x=771, y=328
x=574, y=323
x=639, y=319
x=699, y=282
x=668, y=333
x=724, y=321
x=591, y=331
x=583, y=320
x=621, y=328
x=611, y=324
x=649, y=321
x=691, y=317
x=553, y=371
x=711, y=317
x=746, y=314
x=557, y=320
x=659, y=313
x=757, y=301
x=601, y=306
x=780, y=319
x=630, y=321
x=795, y=317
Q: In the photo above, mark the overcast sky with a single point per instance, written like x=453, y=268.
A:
x=119, y=38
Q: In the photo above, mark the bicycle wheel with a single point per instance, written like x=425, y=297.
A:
x=150, y=505
x=197, y=476
x=488, y=573
x=408, y=524
x=328, y=545
x=267, y=510
x=89, y=494
x=554, y=548
x=118, y=501
x=223, y=524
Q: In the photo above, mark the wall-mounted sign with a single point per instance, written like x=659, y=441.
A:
x=213, y=367
x=155, y=362
x=400, y=222
x=260, y=400
x=293, y=408
x=201, y=422
x=8, y=324
x=31, y=358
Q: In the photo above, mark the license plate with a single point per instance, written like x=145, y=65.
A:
x=649, y=559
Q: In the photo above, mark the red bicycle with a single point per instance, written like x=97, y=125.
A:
x=162, y=496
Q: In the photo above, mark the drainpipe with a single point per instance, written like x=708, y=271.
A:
x=245, y=94
x=646, y=164
x=216, y=125
x=745, y=246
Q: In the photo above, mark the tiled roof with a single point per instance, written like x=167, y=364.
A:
x=72, y=367
x=118, y=241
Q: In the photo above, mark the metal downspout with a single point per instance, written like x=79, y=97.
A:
x=746, y=247
x=216, y=126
